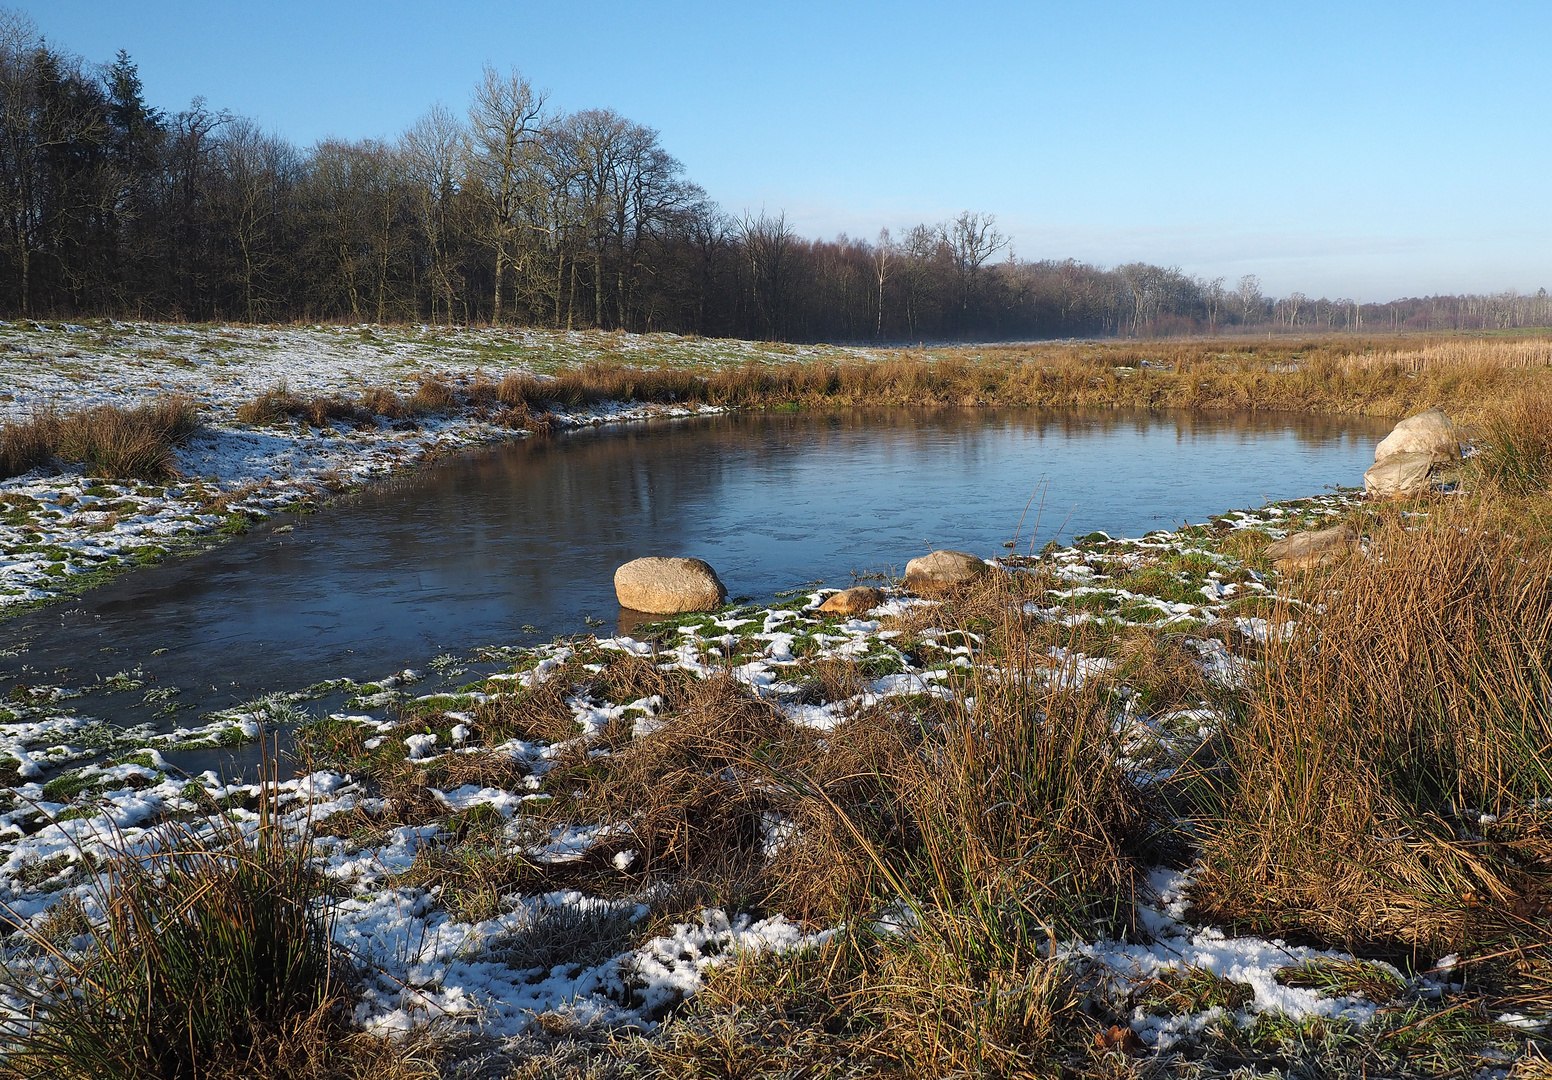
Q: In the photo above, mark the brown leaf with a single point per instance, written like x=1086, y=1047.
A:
x=1119, y=1038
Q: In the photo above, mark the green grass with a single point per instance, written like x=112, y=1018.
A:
x=1187, y=990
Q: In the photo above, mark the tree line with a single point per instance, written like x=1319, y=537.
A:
x=516, y=212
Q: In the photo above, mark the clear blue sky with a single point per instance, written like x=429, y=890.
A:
x=1368, y=149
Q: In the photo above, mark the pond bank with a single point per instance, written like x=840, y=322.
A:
x=583, y=840
x=63, y=533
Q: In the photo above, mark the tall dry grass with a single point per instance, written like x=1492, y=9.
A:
x=202, y=954
x=209, y=958
x=1390, y=779
x=1334, y=376
x=1533, y=352
x=279, y=404
x=1515, y=442
x=133, y=443
x=985, y=826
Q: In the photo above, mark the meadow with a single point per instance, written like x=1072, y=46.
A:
x=1127, y=807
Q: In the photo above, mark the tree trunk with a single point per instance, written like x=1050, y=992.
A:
x=501, y=266
x=560, y=280
x=598, y=286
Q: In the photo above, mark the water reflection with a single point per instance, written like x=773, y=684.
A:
x=473, y=550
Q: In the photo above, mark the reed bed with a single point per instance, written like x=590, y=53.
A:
x=1354, y=377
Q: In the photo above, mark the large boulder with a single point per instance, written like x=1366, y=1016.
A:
x=854, y=601
x=1402, y=476
x=662, y=586
x=1429, y=432
x=1305, y=550
x=942, y=568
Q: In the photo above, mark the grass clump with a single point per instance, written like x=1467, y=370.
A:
x=115, y=442
x=1388, y=777
x=279, y=404
x=1182, y=991
x=870, y=1006
x=1350, y=978
x=1516, y=443
x=27, y=444
x=210, y=958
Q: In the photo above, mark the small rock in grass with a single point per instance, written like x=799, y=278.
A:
x=1402, y=476
x=943, y=568
x=1304, y=550
x=855, y=601
x=1429, y=432
x=663, y=586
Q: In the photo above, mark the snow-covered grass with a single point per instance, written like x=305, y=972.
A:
x=1133, y=804
x=62, y=531
x=975, y=832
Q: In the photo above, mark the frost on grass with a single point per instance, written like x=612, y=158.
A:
x=487, y=880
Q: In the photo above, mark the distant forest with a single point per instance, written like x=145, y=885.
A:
x=519, y=213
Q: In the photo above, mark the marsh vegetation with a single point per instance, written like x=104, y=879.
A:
x=1127, y=806
x=1068, y=820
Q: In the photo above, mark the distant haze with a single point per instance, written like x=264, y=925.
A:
x=1367, y=151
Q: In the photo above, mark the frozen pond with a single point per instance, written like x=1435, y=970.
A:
x=519, y=543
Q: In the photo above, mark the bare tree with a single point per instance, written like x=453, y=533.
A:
x=882, y=254
x=257, y=168
x=921, y=244
x=1248, y=296
x=52, y=127
x=1214, y=295
x=970, y=240
x=768, y=245
x=506, y=124
x=431, y=150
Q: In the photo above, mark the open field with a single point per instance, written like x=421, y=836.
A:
x=1126, y=808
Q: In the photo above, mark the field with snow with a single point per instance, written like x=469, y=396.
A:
x=62, y=531
x=1009, y=828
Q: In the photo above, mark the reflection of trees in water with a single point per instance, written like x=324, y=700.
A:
x=1080, y=423
x=607, y=485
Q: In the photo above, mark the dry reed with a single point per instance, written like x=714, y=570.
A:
x=1390, y=776
x=1333, y=376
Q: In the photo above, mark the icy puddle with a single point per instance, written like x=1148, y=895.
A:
x=517, y=544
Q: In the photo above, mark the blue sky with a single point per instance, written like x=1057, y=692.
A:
x=1342, y=149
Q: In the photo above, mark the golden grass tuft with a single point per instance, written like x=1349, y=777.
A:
x=132, y=443
x=210, y=958
x=1387, y=780
x=1515, y=443
x=26, y=444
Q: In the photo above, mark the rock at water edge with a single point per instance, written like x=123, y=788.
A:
x=667, y=586
x=855, y=601
x=1429, y=432
x=1401, y=476
x=942, y=568
x=1304, y=550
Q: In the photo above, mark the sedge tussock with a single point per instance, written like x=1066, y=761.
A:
x=1391, y=771
x=111, y=441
